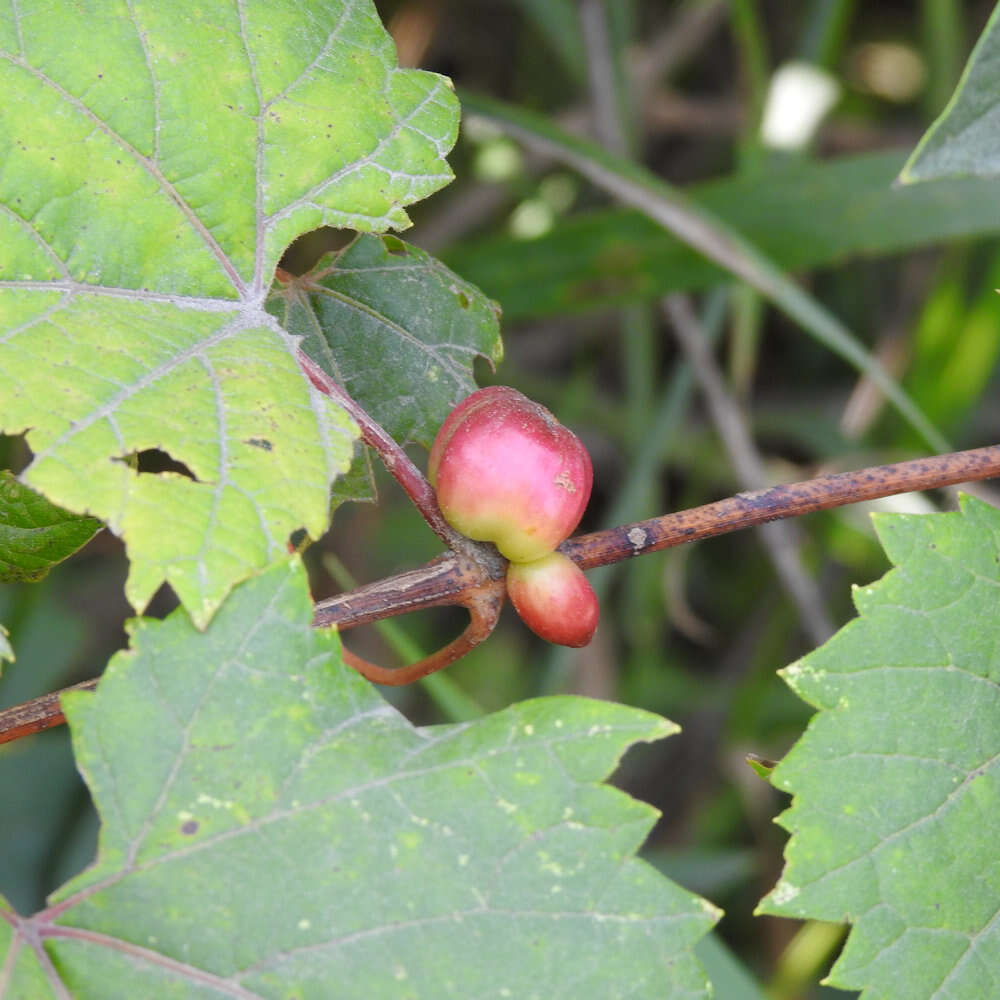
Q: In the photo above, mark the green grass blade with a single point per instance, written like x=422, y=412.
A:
x=638, y=187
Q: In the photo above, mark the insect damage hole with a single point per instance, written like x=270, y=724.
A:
x=155, y=461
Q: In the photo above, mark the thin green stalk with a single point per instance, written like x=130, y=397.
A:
x=942, y=24
x=805, y=959
x=752, y=43
x=639, y=340
x=606, y=29
x=744, y=344
x=825, y=30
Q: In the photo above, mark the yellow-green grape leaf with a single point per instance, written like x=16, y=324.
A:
x=157, y=160
x=272, y=828
x=896, y=782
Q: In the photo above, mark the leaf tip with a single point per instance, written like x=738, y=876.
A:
x=795, y=671
x=761, y=766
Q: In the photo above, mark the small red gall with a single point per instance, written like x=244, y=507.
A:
x=506, y=471
x=554, y=599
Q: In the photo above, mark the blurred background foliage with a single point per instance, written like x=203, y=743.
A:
x=694, y=92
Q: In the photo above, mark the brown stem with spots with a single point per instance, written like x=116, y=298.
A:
x=38, y=714
x=456, y=578
x=746, y=510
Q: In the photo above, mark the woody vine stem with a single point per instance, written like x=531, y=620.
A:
x=471, y=574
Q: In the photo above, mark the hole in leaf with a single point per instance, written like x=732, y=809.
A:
x=395, y=246
x=298, y=540
x=14, y=453
x=154, y=461
x=463, y=299
x=162, y=602
x=305, y=251
x=483, y=369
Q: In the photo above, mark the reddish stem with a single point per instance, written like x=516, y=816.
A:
x=38, y=714
x=483, y=602
x=399, y=464
x=457, y=579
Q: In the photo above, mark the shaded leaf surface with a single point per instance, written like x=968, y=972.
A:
x=358, y=483
x=896, y=783
x=152, y=178
x=396, y=328
x=272, y=828
x=803, y=215
x=34, y=533
x=963, y=141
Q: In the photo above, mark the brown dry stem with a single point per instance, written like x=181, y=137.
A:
x=478, y=585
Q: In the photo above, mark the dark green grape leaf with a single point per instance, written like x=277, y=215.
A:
x=802, y=214
x=358, y=483
x=271, y=827
x=395, y=328
x=152, y=178
x=896, y=782
x=34, y=533
x=963, y=142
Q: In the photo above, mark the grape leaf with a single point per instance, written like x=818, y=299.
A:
x=358, y=483
x=896, y=782
x=152, y=178
x=272, y=828
x=35, y=534
x=963, y=140
x=395, y=327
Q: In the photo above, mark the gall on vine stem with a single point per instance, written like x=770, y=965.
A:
x=480, y=568
x=440, y=582
x=454, y=579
